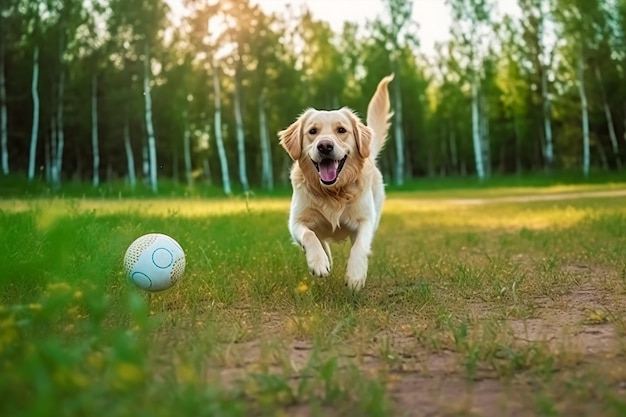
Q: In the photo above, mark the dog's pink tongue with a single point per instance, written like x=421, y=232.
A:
x=328, y=170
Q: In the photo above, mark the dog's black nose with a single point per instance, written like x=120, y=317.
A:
x=325, y=147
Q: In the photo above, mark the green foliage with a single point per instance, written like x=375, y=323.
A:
x=524, y=66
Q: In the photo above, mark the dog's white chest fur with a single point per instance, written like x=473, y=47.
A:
x=336, y=223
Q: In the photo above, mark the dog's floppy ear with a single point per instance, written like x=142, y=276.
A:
x=291, y=138
x=362, y=134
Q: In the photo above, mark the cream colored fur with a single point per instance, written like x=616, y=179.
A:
x=349, y=207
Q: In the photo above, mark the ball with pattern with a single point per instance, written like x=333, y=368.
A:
x=154, y=262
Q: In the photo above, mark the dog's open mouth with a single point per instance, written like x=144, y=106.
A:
x=329, y=169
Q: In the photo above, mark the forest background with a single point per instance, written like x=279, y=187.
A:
x=104, y=91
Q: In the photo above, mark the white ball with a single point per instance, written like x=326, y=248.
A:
x=154, y=262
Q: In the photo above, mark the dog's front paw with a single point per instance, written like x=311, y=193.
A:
x=356, y=274
x=318, y=262
x=355, y=283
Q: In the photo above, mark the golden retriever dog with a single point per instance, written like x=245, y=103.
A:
x=338, y=190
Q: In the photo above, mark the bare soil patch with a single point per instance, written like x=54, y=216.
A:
x=580, y=329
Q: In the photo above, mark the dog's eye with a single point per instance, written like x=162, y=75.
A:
x=341, y=129
x=312, y=131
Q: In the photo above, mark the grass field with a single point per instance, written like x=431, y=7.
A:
x=475, y=305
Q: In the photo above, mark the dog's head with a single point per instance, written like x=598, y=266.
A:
x=330, y=145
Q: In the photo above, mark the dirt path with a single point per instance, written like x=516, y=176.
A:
x=541, y=197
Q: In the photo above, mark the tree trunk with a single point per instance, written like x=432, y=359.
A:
x=241, y=145
x=585, y=113
x=624, y=123
x=218, y=133
x=609, y=119
x=548, y=148
x=130, y=159
x=94, y=129
x=152, y=156
x=187, y=151
x=267, y=176
x=444, y=158
x=207, y=170
x=3, y=114
x=145, y=161
x=454, y=156
x=58, y=158
x=398, y=132
x=604, y=161
x=518, y=145
x=478, y=152
x=50, y=153
x=32, y=160
x=430, y=162
x=175, y=168
x=484, y=133
x=48, y=161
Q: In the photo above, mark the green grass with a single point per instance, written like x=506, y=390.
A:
x=491, y=309
x=16, y=186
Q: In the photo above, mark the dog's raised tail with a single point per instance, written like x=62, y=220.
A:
x=379, y=115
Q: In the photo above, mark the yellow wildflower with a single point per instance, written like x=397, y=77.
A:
x=8, y=332
x=185, y=373
x=96, y=361
x=302, y=287
x=127, y=374
x=73, y=312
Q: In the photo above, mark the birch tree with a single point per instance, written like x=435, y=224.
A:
x=512, y=82
x=264, y=52
x=549, y=95
x=264, y=80
x=125, y=68
x=246, y=36
x=57, y=160
x=7, y=19
x=33, y=37
x=151, y=140
x=65, y=17
x=241, y=140
x=241, y=19
x=187, y=150
x=94, y=130
x=445, y=100
x=4, y=137
x=267, y=175
x=609, y=117
x=34, y=136
x=130, y=158
x=471, y=28
x=580, y=22
x=398, y=35
x=200, y=27
x=87, y=45
x=584, y=107
x=539, y=41
x=139, y=25
x=219, y=141
x=608, y=64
